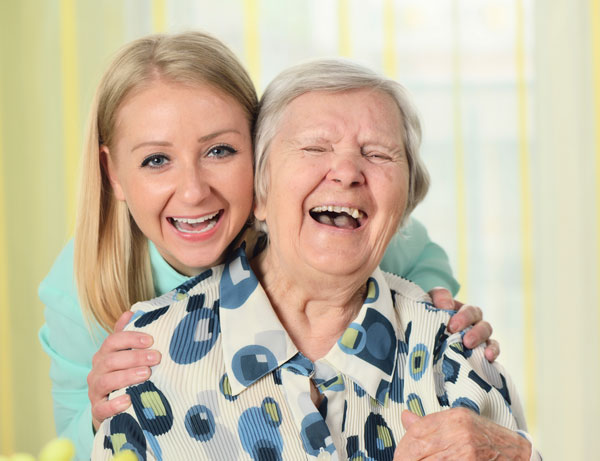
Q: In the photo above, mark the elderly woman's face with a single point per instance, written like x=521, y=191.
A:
x=338, y=176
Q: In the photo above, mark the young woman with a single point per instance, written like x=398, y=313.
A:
x=166, y=188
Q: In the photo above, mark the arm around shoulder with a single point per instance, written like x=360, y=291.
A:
x=70, y=344
x=413, y=256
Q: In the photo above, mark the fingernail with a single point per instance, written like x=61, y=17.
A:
x=451, y=328
x=143, y=372
x=468, y=342
x=145, y=340
x=153, y=357
x=123, y=402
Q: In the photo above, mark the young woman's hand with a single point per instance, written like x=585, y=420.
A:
x=466, y=316
x=123, y=360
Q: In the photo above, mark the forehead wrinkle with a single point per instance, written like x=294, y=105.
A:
x=373, y=138
x=321, y=133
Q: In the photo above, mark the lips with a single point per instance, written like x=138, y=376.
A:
x=197, y=225
x=341, y=217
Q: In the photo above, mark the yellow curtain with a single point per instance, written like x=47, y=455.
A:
x=509, y=94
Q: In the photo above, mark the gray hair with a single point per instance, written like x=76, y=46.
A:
x=335, y=75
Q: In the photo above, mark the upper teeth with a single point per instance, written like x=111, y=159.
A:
x=339, y=209
x=196, y=220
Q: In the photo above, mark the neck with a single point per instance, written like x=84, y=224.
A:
x=315, y=309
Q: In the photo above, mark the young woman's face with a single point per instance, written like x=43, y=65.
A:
x=182, y=160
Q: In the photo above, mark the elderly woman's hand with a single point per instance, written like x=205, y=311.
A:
x=458, y=433
x=466, y=316
x=121, y=361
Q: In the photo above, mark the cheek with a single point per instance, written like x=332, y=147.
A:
x=144, y=198
x=393, y=192
x=240, y=186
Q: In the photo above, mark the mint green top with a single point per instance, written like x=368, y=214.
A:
x=71, y=345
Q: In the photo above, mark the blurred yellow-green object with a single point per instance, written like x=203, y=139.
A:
x=55, y=450
x=63, y=450
x=125, y=455
x=18, y=457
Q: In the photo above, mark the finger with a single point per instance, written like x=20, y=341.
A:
x=409, y=418
x=108, y=408
x=127, y=359
x=442, y=298
x=492, y=350
x=466, y=316
x=107, y=383
x=123, y=320
x=479, y=334
x=123, y=340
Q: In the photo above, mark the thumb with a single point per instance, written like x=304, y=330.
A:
x=409, y=418
x=123, y=321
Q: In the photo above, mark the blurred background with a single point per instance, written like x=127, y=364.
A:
x=509, y=94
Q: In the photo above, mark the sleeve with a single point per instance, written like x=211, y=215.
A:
x=472, y=382
x=413, y=256
x=70, y=344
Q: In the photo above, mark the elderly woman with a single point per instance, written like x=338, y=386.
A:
x=308, y=350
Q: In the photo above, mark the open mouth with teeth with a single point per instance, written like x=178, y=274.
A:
x=342, y=217
x=196, y=225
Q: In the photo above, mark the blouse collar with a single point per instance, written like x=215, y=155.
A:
x=255, y=342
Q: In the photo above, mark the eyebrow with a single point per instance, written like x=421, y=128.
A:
x=201, y=139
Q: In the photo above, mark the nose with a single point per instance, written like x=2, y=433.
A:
x=193, y=187
x=346, y=169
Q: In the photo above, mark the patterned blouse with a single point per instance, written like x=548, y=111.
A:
x=232, y=385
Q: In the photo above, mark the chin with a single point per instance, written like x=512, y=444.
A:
x=198, y=264
x=338, y=267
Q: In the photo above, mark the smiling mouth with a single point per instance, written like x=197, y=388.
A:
x=342, y=217
x=196, y=225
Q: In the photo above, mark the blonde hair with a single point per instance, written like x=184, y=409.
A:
x=334, y=75
x=112, y=263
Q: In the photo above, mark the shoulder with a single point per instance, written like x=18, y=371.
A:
x=195, y=293
x=58, y=289
x=410, y=299
x=421, y=323
x=404, y=289
x=61, y=272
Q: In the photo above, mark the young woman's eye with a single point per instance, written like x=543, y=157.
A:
x=155, y=161
x=220, y=151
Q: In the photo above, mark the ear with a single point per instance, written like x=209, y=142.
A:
x=110, y=169
x=260, y=210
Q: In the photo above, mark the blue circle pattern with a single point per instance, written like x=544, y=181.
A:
x=414, y=404
x=374, y=341
x=379, y=439
x=299, y=364
x=252, y=362
x=200, y=423
x=124, y=425
x=196, y=333
x=372, y=291
x=258, y=429
x=225, y=388
x=238, y=281
x=353, y=340
x=315, y=435
x=466, y=402
x=151, y=408
x=418, y=360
